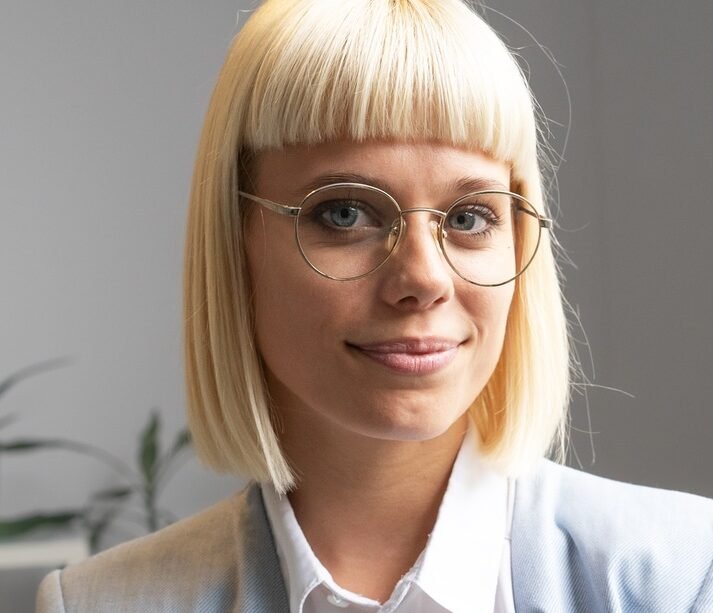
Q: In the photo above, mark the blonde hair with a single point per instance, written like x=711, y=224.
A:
x=308, y=71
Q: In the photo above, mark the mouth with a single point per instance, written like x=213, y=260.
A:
x=411, y=356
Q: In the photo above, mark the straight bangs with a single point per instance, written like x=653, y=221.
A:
x=400, y=69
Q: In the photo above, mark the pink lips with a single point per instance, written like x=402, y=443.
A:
x=414, y=356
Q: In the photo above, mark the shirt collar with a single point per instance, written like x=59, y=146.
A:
x=462, y=557
x=300, y=567
x=459, y=567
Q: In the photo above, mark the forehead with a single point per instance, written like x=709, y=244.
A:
x=401, y=168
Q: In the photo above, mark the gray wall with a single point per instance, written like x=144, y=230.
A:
x=100, y=110
x=636, y=218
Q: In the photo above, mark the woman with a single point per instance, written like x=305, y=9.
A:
x=375, y=335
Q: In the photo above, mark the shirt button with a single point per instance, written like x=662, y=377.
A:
x=337, y=601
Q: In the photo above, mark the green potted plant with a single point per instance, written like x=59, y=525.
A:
x=134, y=498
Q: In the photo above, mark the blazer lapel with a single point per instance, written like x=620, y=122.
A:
x=260, y=586
x=544, y=575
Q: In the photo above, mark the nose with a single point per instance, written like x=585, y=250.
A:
x=418, y=274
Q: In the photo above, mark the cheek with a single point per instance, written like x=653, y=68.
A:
x=488, y=309
x=294, y=307
x=278, y=315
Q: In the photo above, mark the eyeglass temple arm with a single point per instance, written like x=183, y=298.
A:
x=275, y=207
x=545, y=222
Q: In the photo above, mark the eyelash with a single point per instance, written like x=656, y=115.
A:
x=491, y=217
x=494, y=220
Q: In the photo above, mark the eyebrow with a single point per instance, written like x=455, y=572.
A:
x=463, y=184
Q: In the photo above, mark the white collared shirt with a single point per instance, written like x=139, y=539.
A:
x=465, y=566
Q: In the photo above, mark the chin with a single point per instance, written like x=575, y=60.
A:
x=412, y=426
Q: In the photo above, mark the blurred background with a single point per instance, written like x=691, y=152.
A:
x=100, y=110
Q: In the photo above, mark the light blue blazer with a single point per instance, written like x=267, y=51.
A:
x=580, y=543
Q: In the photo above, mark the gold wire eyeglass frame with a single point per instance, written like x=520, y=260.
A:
x=294, y=211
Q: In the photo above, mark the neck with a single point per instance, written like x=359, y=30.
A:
x=367, y=505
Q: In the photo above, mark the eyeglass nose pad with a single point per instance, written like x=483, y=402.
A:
x=393, y=236
x=434, y=229
x=395, y=231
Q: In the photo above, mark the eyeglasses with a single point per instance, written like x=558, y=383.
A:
x=346, y=231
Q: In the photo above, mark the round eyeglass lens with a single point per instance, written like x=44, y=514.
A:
x=489, y=238
x=347, y=231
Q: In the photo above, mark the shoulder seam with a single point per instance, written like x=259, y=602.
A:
x=57, y=575
x=61, y=591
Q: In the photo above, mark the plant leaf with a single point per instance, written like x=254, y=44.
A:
x=98, y=527
x=149, y=449
x=28, y=371
x=27, y=523
x=182, y=440
x=111, y=494
x=31, y=444
x=74, y=446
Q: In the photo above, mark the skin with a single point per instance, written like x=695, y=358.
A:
x=373, y=448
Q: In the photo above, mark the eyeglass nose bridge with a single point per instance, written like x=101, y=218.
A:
x=398, y=228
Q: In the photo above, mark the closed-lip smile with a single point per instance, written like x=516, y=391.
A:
x=411, y=355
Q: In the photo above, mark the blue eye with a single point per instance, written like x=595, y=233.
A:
x=467, y=220
x=345, y=214
x=342, y=216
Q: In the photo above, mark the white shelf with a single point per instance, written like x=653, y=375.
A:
x=49, y=552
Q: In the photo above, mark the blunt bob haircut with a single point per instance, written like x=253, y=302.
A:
x=304, y=72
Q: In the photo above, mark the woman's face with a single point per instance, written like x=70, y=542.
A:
x=399, y=354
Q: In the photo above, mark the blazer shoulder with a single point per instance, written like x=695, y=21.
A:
x=567, y=489
x=629, y=544
x=189, y=562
